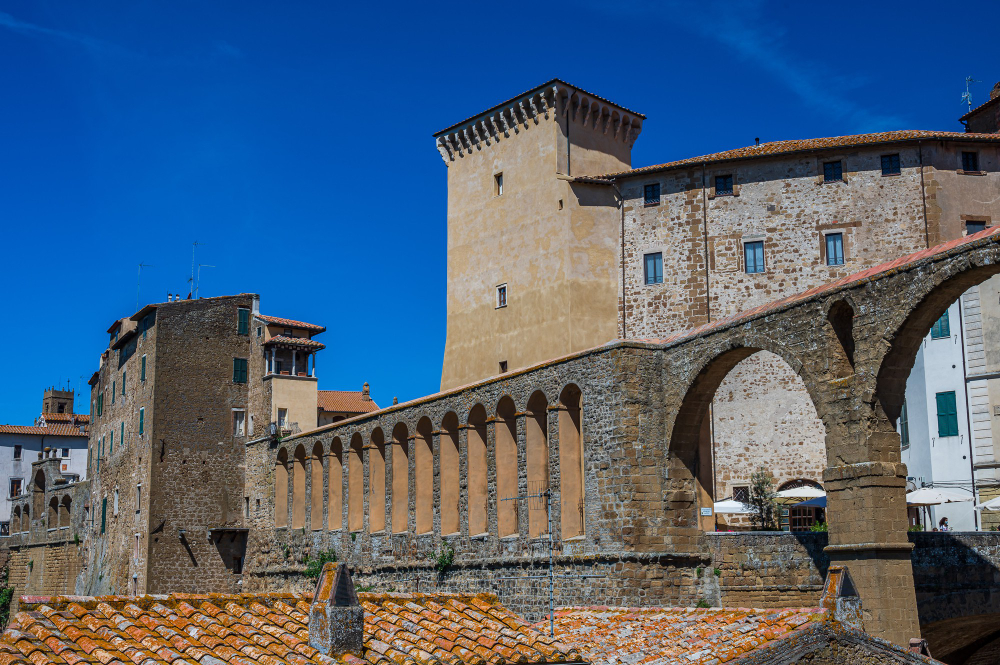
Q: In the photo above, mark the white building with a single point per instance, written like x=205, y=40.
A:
x=57, y=428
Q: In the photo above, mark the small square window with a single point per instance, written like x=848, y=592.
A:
x=973, y=227
x=970, y=162
x=15, y=487
x=239, y=422
x=651, y=194
x=890, y=165
x=835, y=249
x=654, y=268
x=741, y=493
x=501, y=296
x=239, y=370
x=498, y=184
x=17, y=452
x=65, y=452
x=723, y=185
x=753, y=254
x=833, y=172
x=503, y=366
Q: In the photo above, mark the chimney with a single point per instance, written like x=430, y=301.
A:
x=756, y=141
x=840, y=598
x=366, y=392
x=336, y=620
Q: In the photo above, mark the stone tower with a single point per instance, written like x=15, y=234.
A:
x=533, y=247
x=57, y=401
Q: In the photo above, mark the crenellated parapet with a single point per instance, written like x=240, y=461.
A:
x=554, y=98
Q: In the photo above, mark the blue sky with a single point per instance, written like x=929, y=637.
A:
x=294, y=141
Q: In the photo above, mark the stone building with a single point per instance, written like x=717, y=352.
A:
x=59, y=430
x=182, y=387
x=681, y=244
x=336, y=405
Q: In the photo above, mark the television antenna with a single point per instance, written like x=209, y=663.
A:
x=198, y=281
x=138, y=281
x=194, y=246
x=540, y=497
x=967, y=95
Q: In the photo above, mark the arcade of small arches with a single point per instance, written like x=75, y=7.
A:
x=56, y=513
x=410, y=473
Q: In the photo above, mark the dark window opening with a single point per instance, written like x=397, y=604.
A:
x=973, y=227
x=890, y=165
x=654, y=268
x=651, y=194
x=741, y=493
x=503, y=366
x=15, y=487
x=970, y=162
x=833, y=172
x=904, y=428
x=723, y=185
x=17, y=452
x=501, y=296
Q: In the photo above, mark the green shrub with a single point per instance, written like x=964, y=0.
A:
x=6, y=595
x=315, y=566
x=699, y=571
x=703, y=603
x=819, y=527
x=445, y=558
x=718, y=572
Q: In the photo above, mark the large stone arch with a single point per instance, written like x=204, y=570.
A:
x=477, y=470
x=423, y=477
x=449, y=465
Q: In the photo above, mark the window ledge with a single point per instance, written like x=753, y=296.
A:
x=833, y=182
x=961, y=172
x=574, y=539
x=650, y=205
x=480, y=536
x=891, y=175
x=513, y=536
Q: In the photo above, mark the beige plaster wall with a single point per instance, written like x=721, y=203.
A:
x=298, y=395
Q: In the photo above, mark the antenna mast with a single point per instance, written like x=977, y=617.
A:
x=197, y=283
x=967, y=95
x=194, y=246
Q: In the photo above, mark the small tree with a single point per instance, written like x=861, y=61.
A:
x=6, y=595
x=761, y=501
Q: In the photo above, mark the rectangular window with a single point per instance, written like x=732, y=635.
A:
x=753, y=254
x=498, y=184
x=651, y=194
x=833, y=172
x=111, y=446
x=835, y=249
x=259, y=331
x=972, y=227
x=947, y=414
x=4, y=528
x=121, y=439
x=17, y=452
x=238, y=565
x=65, y=452
x=941, y=328
x=239, y=422
x=970, y=162
x=282, y=418
x=123, y=384
x=890, y=165
x=239, y=370
x=114, y=389
x=741, y=493
x=15, y=487
x=138, y=499
x=503, y=366
x=246, y=506
x=142, y=419
x=243, y=321
x=654, y=268
x=501, y=296
x=104, y=513
x=904, y=428
x=142, y=369
x=723, y=185
x=100, y=404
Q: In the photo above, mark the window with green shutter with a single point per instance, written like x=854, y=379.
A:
x=947, y=414
x=100, y=404
x=104, y=513
x=123, y=384
x=239, y=370
x=243, y=321
x=111, y=443
x=904, y=428
x=142, y=369
x=142, y=418
x=121, y=439
x=941, y=328
x=114, y=389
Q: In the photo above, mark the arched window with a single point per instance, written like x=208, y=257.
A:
x=476, y=482
x=38, y=498
x=571, y=462
x=537, y=441
x=423, y=476
x=505, y=433
x=376, y=482
x=65, y=509
x=400, y=478
x=299, y=488
x=316, y=491
x=450, y=473
x=356, y=484
x=26, y=519
x=281, y=489
x=335, y=486
x=52, y=521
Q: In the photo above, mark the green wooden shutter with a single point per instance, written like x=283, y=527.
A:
x=142, y=370
x=243, y=321
x=941, y=327
x=142, y=418
x=947, y=414
x=104, y=513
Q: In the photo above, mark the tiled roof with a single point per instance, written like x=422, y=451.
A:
x=989, y=102
x=290, y=323
x=898, y=265
x=774, y=148
x=614, y=635
x=58, y=429
x=533, y=90
x=268, y=629
x=66, y=417
x=296, y=341
x=345, y=401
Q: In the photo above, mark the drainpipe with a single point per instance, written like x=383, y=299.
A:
x=621, y=238
x=968, y=411
x=923, y=195
x=708, y=312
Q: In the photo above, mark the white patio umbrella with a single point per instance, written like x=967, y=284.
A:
x=798, y=494
x=731, y=507
x=992, y=504
x=930, y=496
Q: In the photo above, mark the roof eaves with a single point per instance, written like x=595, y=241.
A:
x=980, y=108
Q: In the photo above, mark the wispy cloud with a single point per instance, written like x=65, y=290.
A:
x=227, y=49
x=90, y=43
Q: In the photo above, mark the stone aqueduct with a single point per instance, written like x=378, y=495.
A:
x=614, y=432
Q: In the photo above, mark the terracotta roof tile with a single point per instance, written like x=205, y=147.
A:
x=345, y=401
x=290, y=323
x=295, y=341
x=57, y=429
x=774, y=148
x=65, y=417
x=268, y=629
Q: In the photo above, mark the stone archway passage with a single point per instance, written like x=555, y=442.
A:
x=299, y=489
x=335, y=486
x=450, y=474
x=400, y=478
x=316, y=490
x=376, y=482
x=423, y=477
x=571, y=491
x=281, y=489
x=537, y=458
x=356, y=484
x=505, y=432
x=477, y=471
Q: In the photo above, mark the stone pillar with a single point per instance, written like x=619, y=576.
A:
x=866, y=511
x=463, y=481
x=436, y=457
x=313, y=354
x=273, y=358
x=523, y=503
x=295, y=355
